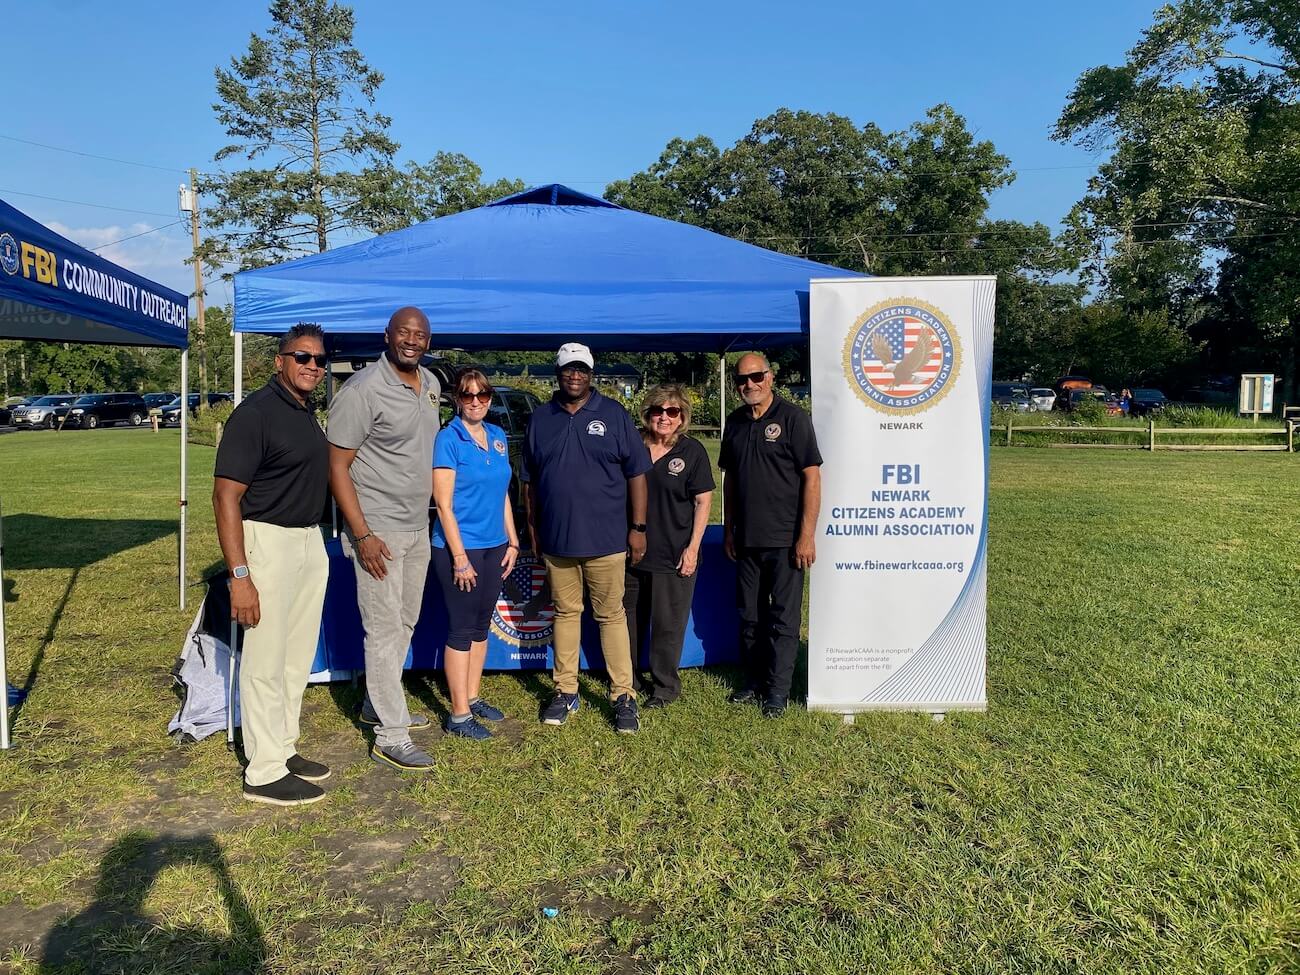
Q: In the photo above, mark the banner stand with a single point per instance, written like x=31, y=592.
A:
x=902, y=377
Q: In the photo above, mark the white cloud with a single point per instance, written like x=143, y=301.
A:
x=159, y=256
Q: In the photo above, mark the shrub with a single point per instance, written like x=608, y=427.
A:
x=203, y=428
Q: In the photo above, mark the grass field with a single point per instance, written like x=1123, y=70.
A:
x=1130, y=802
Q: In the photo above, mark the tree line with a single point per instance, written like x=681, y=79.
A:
x=1179, y=262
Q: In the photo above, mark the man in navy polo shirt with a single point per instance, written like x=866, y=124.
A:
x=584, y=474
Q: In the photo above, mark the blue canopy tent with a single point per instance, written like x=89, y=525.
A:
x=532, y=271
x=52, y=290
x=539, y=268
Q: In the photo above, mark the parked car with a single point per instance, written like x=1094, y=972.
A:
x=156, y=401
x=1042, y=399
x=1012, y=396
x=1076, y=396
x=171, y=413
x=44, y=411
x=1210, y=396
x=1064, y=385
x=1147, y=402
x=104, y=409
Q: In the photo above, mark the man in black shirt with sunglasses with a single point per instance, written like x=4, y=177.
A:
x=272, y=483
x=771, y=492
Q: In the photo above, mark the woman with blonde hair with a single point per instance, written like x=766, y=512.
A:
x=658, y=591
x=474, y=544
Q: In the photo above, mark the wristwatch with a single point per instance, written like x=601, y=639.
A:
x=239, y=572
x=639, y=527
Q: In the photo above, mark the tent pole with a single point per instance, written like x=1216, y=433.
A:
x=230, y=685
x=4, y=671
x=722, y=416
x=239, y=366
x=185, y=430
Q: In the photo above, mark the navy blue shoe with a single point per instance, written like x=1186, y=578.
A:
x=481, y=709
x=561, y=706
x=467, y=729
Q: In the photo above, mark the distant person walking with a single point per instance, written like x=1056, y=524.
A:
x=474, y=545
x=271, y=485
x=679, y=494
x=584, y=473
x=771, y=490
x=382, y=426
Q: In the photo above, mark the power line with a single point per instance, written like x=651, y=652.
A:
x=92, y=155
x=83, y=203
x=143, y=233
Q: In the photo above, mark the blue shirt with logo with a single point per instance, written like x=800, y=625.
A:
x=482, y=479
x=578, y=466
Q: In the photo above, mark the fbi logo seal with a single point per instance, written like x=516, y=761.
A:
x=901, y=356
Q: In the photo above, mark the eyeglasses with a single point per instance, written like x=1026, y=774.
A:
x=302, y=358
x=576, y=368
x=485, y=396
x=751, y=377
x=672, y=412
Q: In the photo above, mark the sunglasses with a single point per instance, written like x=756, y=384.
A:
x=302, y=358
x=484, y=396
x=751, y=377
x=672, y=412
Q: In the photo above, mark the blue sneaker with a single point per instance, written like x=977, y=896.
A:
x=467, y=729
x=561, y=706
x=481, y=709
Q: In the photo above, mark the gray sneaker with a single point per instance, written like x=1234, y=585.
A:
x=405, y=756
x=419, y=722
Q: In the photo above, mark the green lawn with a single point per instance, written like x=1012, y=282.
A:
x=1130, y=802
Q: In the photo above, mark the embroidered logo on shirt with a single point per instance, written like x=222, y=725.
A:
x=499, y=446
x=676, y=466
x=596, y=428
x=433, y=399
x=772, y=431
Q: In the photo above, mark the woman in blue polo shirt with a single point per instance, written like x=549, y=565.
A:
x=474, y=544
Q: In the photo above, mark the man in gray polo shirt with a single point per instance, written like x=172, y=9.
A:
x=381, y=429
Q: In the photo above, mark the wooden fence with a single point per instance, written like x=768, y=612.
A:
x=1151, y=433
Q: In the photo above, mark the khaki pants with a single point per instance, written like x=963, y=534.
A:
x=602, y=578
x=289, y=567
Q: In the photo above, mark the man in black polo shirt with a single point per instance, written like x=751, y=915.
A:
x=584, y=473
x=771, y=491
x=272, y=483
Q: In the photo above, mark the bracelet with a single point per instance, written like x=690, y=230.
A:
x=512, y=545
x=461, y=572
x=358, y=541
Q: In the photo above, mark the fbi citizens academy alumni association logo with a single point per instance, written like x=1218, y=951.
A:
x=524, y=614
x=901, y=356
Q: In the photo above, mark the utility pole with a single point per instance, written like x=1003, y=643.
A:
x=190, y=201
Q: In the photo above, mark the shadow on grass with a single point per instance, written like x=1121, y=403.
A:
x=116, y=934
x=47, y=638
x=43, y=542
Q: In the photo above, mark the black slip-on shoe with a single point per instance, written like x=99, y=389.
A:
x=774, y=707
x=286, y=791
x=307, y=770
x=746, y=695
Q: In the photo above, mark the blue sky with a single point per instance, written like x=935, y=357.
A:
x=582, y=93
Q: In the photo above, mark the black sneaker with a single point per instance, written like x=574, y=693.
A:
x=746, y=695
x=307, y=771
x=561, y=706
x=287, y=791
x=656, y=702
x=626, y=720
x=773, y=707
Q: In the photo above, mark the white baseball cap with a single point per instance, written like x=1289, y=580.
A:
x=571, y=352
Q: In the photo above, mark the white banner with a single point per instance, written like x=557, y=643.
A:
x=901, y=376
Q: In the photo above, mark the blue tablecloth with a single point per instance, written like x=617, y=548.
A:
x=520, y=634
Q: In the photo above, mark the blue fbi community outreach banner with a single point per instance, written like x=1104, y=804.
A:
x=901, y=371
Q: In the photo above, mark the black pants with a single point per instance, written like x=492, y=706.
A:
x=662, y=599
x=769, y=596
x=469, y=613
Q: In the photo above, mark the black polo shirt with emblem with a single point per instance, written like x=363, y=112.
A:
x=671, y=486
x=273, y=444
x=579, y=465
x=765, y=459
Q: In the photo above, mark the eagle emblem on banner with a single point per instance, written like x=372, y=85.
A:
x=524, y=614
x=901, y=356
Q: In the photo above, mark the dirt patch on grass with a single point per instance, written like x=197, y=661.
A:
x=390, y=871
x=23, y=927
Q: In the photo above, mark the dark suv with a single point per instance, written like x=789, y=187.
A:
x=101, y=409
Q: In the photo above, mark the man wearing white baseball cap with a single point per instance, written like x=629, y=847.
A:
x=584, y=470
